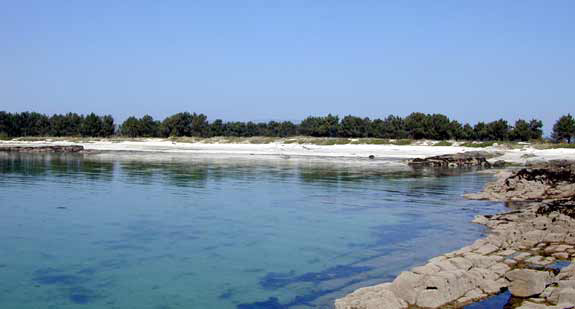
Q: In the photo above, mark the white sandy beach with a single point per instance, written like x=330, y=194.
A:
x=279, y=149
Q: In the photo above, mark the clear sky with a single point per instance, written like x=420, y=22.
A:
x=262, y=60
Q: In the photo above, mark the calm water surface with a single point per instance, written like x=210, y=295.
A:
x=108, y=232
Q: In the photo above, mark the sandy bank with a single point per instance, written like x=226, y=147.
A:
x=284, y=150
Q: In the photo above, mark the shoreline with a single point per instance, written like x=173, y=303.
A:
x=486, y=268
x=292, y=150
x=518, y=255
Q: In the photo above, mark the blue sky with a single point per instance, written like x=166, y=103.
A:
x=261, y=60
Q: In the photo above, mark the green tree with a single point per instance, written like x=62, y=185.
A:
x=179, y=124
x=130, y=127
x=91, y=126
x=107, y=126
x=327, y=126
x=217, y=128
x=456, y=130
x=287, y=128
x=468, y=133
x=438, y=127
x=498, y=130
x=416, y=125
x=73, y=124
x=480, y=131
x=5, y=124
x=32, y=124
x=394, y=127
x=352, y=126
x=199, y=125
x=149, y=127
x=564, y=129
x=521, y=131
x=536, y=128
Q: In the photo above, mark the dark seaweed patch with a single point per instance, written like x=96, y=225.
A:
x=114, y=264
x=227, y=294
x=72, y=283
x=82, y=296
x=271, y=303
x=302, y=300
x=58, y=279
x=87, y=271
x=79, y=299
x=277, y=280
x=253, y=270
x=313, y=261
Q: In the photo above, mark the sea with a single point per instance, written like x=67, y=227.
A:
x=175, y=231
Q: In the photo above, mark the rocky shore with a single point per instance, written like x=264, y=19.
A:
x=464, y=159
x=56, y=148
x=539, y=182
x=519, y=254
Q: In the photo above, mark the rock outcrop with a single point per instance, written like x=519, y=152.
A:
x=72, y=148
x=546, y=181
x=517, y=255
x=465, y=159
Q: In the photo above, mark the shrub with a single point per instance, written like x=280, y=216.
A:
x=478, y=145
x=443, y=143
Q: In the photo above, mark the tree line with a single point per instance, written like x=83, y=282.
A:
x=71, y=124
x=413, y=126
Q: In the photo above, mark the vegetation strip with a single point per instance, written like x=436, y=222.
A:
x=414, y=126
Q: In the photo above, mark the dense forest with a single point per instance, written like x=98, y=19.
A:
x=414, y=126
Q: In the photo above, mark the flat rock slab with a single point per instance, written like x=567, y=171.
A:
x=527, y=282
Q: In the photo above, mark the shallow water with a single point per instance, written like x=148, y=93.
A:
x=110, y=232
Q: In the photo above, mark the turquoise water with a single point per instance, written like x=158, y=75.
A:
x=110, y=232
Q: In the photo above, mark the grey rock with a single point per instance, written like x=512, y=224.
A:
x=374, y=297
x=482, y=261
x=486, y=249
x=471, y=296
x=499, y=164
x=404, y=286
x=461, y=263
x=561, y=255
x=500, y=268
x=547, y=181
x=465, y=159
x=445, y=265
x=427, y=269
x=443, y=288
x=527, y=282
x=567, y=297
x=479, y=219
